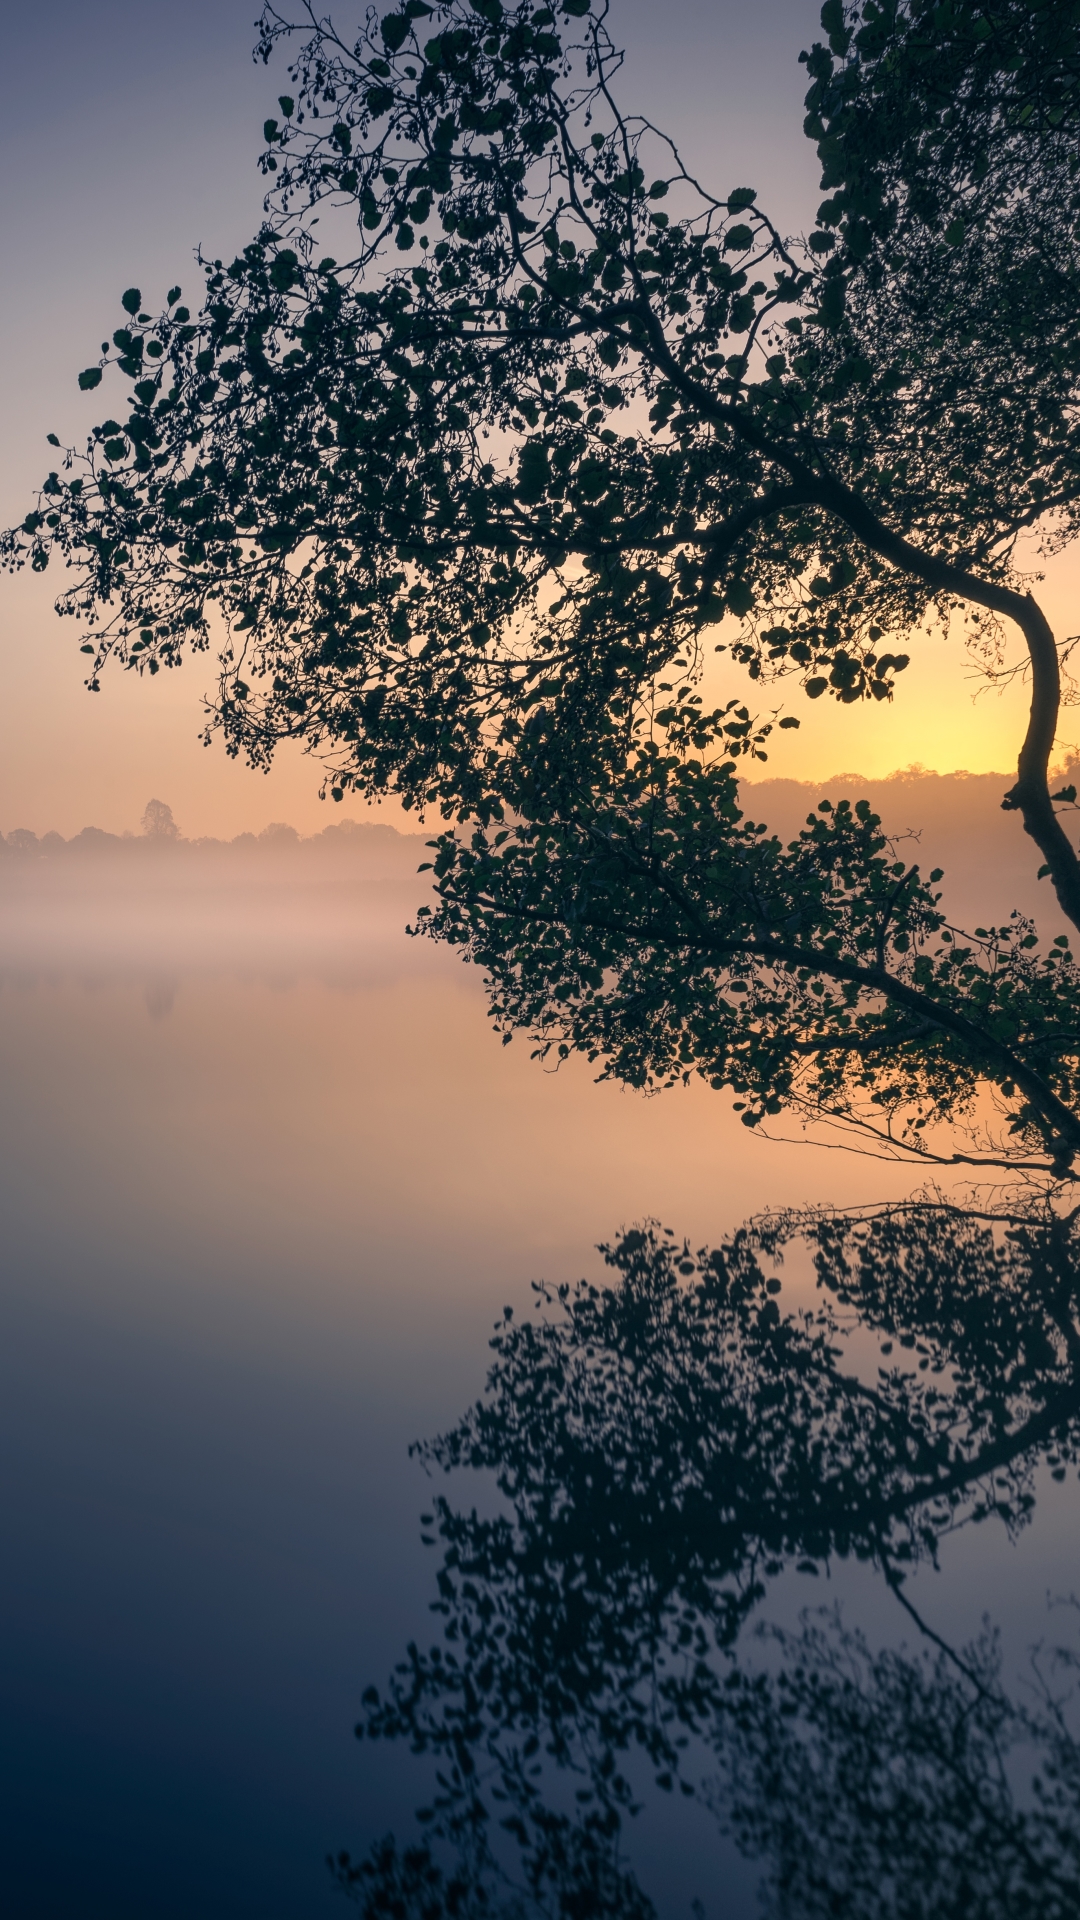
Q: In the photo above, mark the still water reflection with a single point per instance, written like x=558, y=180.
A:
x=667, y=1446
x=267, y=1181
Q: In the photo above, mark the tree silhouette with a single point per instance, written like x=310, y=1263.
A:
x=157, y=821
x=664, y=1446
x=880, y=1786
x=931, y=121
x=465, y=509
x=657, y=929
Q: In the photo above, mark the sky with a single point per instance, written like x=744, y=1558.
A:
x=129, y=139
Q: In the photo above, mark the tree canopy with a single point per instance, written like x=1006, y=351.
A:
x=662, y=933
x=933, y=118
x=468, y=509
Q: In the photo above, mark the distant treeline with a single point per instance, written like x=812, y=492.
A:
x=954, y=821
x=349, y=837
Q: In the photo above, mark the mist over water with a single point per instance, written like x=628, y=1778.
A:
x=267, y=1181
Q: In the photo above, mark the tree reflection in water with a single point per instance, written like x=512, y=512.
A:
x=665, y=1446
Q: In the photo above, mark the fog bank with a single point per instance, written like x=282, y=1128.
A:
x=334, y=905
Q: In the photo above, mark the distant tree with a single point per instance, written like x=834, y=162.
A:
x=465, y=510
x=158, y=823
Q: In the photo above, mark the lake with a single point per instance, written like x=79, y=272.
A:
x=268, y=1181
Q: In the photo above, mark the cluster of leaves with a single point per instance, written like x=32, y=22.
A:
x=934, y=116
x=667, y=1444
x=652, y=926
x=948, y=135
x=308, y=461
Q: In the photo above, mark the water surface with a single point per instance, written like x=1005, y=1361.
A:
x=267, y=1182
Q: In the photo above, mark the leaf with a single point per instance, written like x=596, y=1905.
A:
x=90, y=378
x=395, y=31
x=285, y=271
x=131, y=301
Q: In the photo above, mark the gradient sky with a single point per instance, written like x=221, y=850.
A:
x=129, y=136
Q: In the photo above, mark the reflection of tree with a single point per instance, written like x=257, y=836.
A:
x=666, y=1445
x=877, y=1787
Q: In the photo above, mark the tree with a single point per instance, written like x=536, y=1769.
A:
x=949, y=136
x=158, y=822
x=653, y=927
x=464, y=511
x=665, y=1445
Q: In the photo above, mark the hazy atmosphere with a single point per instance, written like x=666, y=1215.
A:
x=539, y=1272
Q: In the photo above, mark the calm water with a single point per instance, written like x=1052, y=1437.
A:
x=267, y=1183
